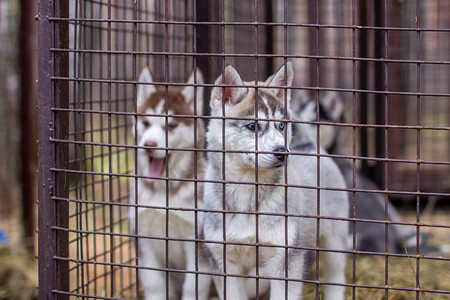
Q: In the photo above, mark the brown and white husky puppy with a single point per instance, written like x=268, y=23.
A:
x=166, y=208
x=262, y=201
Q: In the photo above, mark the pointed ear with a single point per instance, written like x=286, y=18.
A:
x=188, y=92
x=333, y=105
x=144, y=90
x=231, y=95
x=283, y=77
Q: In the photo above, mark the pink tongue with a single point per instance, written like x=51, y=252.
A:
x=156, y=168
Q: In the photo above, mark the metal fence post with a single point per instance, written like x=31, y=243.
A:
x=380, y=51
x=53, y=274
x=202, y=40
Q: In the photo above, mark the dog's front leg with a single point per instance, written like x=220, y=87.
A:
x=195, y=287
x=153, y=282
x=335, y=262
x=230, y=287
x=286, y=289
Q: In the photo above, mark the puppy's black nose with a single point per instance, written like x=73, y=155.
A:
x=281, y=157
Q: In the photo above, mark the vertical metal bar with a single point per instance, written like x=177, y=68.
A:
x=379, y=84
x=363, y=83
x=386, y=147
x=103, y=194
x=53, y=275
x=136, y=181
x=418, y=89
x=76, y=126
x=313, y=15
x=203, y=42
x=224, y=215
x=82, y=269
x=381, y=111
x=313, y=18
x=119, y=29
x=357, y=45
x=88, y=71
x=255, y=73
x=286, y=181
x=197, y=145
x=27, y=138
x=269, y=38
x=109, y=139
x=61, y=131
x=166, y=138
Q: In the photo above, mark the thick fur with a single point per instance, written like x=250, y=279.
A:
x=368, y=206
x=281, y=210
x=154, y=134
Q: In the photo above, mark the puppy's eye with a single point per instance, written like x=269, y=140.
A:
x=251, y=126
x=145, y=123
x=171, y=126
x=281, y=126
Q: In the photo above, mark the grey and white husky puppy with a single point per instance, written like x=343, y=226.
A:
x=158, y=129
x=368, y=206
x=261, y=203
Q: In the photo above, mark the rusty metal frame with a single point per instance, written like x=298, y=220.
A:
x=53, y=274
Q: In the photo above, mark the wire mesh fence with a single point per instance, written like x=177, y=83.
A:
x=369, y=87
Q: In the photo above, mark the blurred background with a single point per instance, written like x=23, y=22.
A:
x=18, y=149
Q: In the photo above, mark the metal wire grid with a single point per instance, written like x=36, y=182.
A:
x=109, y=42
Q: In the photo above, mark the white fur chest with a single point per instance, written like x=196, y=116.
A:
x=155, y=219
x=244, y=226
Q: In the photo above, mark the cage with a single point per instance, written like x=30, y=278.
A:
x=388, y=61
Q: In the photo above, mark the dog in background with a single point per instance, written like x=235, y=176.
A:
x=159, y=133
x=368, y=206
x=255, y=136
